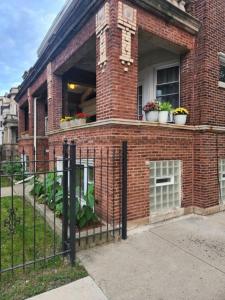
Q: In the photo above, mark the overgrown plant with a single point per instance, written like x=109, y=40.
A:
x=85, y=213
x=49, y=191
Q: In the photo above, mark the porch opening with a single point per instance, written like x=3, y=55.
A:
x=159, y=71
x=79, y=84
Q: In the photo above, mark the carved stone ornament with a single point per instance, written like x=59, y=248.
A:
x=102, y=25
x=127, y=22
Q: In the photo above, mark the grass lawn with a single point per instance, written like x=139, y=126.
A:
x=5, y=182
x=17, y=248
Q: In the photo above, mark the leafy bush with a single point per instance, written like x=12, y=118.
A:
x=85, y=213
x=14, y=168
x=50, y=192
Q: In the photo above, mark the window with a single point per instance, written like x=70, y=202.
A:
x=140, y=102
x=222, y=179
x=84, y=175
x=165, y=185
x=26, y=118
x=168, y=85
x=222, y=70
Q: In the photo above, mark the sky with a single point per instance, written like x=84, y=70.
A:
x=23, y=25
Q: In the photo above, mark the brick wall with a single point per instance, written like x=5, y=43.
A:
x=210, y=41
x=54, y=83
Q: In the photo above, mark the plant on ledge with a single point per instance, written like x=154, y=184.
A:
x=65, y=122
x=79, y=119
x=180, y=115
x=151, y=110
x=165, y=108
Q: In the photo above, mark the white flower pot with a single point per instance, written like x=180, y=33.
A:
x=152, y=116
x=180, y=119
x=163, y=117
x=81, y=121
x=73, y=123
x=65, y=125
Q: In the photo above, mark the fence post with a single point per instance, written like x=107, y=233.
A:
x=73, y=203
x=65, y=198
x=124, y=190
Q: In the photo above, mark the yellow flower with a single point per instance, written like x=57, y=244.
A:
x=181, y=111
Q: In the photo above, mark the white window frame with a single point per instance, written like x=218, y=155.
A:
x=83, y=162
x=162, y=66
x=170, y=182
x=221, y=56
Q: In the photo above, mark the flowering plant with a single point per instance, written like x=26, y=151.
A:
x=151, y=106
x=81, y=116
x=66, y=119
x=180, y=111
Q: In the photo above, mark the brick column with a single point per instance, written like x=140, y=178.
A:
x=116, y=70
x=54, y=83
x=188, y=98
x=31, y=112
x=21, y=127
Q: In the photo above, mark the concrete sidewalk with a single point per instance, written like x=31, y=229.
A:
x=178, y=260
x=83, y=289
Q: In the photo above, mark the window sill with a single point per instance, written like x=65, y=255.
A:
x=221, y=84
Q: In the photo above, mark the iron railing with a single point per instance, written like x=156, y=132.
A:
x=59, y=201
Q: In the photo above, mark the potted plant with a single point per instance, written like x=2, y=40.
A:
x=164, y=109
x=65, y=122
x=180, y=115
x=151, y=110
x=81, y=118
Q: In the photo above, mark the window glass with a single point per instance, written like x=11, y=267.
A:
x=167, y=88
x=140, y=102
x=90, y=174
x=222, y=73
x=80, y=180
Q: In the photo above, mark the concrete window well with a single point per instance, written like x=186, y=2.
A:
x=165, y=186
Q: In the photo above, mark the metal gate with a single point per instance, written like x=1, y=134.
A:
x=54, y=204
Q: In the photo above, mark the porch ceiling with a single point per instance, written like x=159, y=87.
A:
x=83, y=59
x=149, y=42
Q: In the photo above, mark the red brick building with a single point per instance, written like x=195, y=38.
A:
x=95, y=58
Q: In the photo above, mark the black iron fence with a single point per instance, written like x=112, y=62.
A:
x=53, y=203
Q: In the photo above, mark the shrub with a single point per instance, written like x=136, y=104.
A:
x=50, y=192
x=14, y=168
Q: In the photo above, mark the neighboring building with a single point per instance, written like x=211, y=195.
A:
x=9, y=124
x=95, y=58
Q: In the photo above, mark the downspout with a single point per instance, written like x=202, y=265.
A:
x=35, y=134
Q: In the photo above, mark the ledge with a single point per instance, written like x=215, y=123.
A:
x=31, y=138
x=171, y=13
x=122, y=122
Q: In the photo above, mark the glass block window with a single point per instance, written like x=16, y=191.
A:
x=222, y=179
x=168, y=85
x=165, y=185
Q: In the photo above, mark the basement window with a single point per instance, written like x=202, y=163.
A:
x=165, y=185
x=221, y=82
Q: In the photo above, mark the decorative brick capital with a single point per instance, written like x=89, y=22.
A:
x=127, y=22
x=102, y=25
